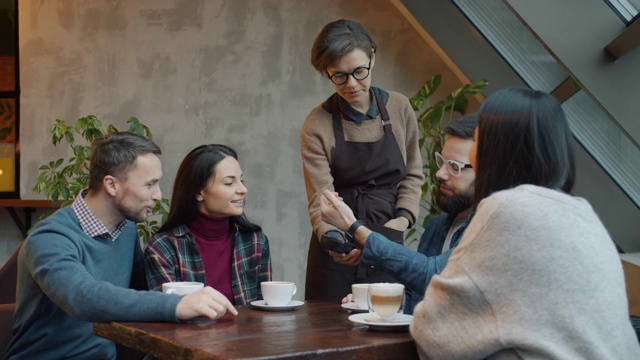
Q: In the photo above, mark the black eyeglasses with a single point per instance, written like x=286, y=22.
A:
x=453, y=167
x=360, y=73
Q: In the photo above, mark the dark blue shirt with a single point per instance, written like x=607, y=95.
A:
x=352, y=114
x=411, y=268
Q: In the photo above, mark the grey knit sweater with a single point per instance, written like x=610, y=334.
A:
x=535, y=276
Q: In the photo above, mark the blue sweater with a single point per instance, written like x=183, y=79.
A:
x=68, y=280
x=411, y=268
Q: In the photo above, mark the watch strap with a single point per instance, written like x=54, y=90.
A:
x=351, y=232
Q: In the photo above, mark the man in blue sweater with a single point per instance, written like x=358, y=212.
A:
x=455, y=196
x=77, y=266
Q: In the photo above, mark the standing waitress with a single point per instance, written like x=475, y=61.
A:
x=362, y=142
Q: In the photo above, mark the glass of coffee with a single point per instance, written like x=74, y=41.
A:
x=386, y=300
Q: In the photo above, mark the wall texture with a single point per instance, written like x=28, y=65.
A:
x=222, y=71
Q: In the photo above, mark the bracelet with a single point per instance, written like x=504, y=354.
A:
x=351, y=232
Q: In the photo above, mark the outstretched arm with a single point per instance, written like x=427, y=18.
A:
x=207, y=302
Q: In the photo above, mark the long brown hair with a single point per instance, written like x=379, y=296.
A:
x=193, y=175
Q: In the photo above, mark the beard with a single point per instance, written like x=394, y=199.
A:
x=457, y=203
x=137, y=216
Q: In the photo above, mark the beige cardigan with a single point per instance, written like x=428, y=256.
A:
x=317, y=146
x=535, y=276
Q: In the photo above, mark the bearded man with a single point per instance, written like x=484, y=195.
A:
x=454, y=197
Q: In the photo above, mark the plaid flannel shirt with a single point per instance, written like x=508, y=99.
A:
x=173, y=256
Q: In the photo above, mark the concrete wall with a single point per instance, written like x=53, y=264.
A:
x=226, y=71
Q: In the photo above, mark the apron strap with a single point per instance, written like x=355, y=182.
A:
x=384, y=114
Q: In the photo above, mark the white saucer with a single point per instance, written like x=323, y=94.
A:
x=290, y=306
x=399, y=322
x=353, y=307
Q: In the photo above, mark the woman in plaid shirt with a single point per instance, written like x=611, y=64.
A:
x=207, y=237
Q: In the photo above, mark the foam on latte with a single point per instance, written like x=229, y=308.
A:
x=386, y=299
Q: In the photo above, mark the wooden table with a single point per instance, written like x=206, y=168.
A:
x=315, y=330
x=29, y=206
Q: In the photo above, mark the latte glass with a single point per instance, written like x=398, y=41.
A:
x=385, y=300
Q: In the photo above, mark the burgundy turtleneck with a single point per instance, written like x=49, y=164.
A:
x=214, y=242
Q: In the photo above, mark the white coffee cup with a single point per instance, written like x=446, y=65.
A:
x=386, y=300
x=277, y=293
x=181, y=287
x=359, y=294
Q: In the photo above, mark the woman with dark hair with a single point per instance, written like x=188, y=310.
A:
x=207, y=237
x=361, y=142
x=526, y=140
x=536, y=274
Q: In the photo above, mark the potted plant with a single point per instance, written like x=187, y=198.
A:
x=431, y=137
x=64, y=179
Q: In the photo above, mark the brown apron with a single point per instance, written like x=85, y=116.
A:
x=366, y=175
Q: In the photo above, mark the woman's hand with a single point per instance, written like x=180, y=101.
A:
x=335, y=212
x=347, y=299
x=400, y=223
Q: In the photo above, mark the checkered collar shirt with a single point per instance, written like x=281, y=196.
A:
x=90, y=223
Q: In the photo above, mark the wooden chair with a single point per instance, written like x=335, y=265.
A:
x=8, y=282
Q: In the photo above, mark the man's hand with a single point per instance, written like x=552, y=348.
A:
x=352, y=258
x=400, y=223
x=207, y=302
x=335, y=212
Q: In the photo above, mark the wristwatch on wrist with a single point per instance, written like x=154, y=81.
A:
x=351, y=232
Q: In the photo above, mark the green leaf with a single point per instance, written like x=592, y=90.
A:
x=133, y=120
x=78, y=150
x=433, y=84
x=460, y=105
x=64, y=192
x=111, y=129
x=416, y=103
x=69, y=137
x=91, y=134
x=54, y=195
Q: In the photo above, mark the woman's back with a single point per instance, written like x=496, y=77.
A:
x=540, y=278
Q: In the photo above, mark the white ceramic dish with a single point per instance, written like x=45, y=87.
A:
x=290, y=306
x=401, y=321
x=353, y=307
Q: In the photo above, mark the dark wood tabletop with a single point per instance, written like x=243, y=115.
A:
x=315, y=330
x=34, y=203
